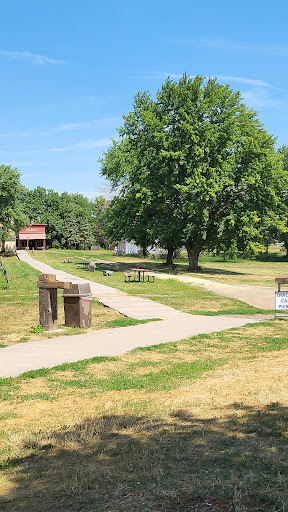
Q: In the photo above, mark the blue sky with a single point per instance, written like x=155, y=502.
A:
x=70, y=69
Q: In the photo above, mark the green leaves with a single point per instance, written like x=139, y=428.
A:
x=11, y=214
x=209, y=169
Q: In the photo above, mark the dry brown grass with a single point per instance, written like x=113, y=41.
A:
x=216, y=442
x=17, y=328
x=20, y=307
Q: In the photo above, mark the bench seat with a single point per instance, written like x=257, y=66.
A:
x=108, y=273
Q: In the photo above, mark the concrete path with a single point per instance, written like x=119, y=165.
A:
x=33, y=355
x=134, y=307
x=174, y=326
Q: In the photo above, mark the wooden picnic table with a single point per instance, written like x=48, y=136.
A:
x=139, y=271
x=83, y=264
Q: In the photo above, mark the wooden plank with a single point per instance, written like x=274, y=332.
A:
x=281, y=280
x=55, y=285
x=47, y=278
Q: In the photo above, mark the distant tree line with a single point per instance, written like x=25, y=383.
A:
x=72, y=220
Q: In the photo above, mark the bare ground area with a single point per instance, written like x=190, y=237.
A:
x=257, y=296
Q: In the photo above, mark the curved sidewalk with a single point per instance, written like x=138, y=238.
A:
x=174, y=326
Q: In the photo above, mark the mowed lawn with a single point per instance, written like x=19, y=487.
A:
x=169, y=292
x=196, y=425
x=193, y=426
x=19, y=306
x=232, y=271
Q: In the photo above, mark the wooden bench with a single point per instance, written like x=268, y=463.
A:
x=127, y=278
x=108, y=273
x=281, y=280
x=151, y=278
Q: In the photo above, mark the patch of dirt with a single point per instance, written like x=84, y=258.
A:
x=257, y=296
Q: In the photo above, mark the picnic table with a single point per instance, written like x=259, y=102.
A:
x=69, y=259
x=83, y=264
x=140, y=271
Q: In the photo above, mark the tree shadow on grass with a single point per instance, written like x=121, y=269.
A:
x=177, y=464
x=160, y=267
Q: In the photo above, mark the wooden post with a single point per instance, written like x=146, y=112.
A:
x=48, y=313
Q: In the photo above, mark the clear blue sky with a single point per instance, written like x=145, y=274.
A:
x=70, y=69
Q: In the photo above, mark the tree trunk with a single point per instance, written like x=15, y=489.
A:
x=193, y=257
x=169, y=259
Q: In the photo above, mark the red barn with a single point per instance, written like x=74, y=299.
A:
x=32, y=237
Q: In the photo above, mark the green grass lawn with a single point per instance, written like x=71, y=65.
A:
x=232, y=271
x=182, y=426
x=195, y=425
x=169, y=292
x=20, y=308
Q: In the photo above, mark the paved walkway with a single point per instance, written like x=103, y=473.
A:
x=174, y=326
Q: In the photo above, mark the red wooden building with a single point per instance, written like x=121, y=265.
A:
x=32, y=237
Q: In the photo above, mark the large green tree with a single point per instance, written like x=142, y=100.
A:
x=194, y=167
x=283, y=152
x=12, y=217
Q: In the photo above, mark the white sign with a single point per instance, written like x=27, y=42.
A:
x=281, y=301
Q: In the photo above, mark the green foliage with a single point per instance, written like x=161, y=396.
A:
x=72, y=220
x=194, y=167
x=11, y=214
x=38, y=328
x=283, y=152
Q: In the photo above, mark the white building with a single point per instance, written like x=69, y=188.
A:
x=125, y=247
x=9, y=244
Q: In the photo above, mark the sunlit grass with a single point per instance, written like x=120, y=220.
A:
x=169, y=292
x=20, y=308
x=200, y=422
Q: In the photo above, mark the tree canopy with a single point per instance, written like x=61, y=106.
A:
x=11, y=214
x=72, y=220
x=194, y=167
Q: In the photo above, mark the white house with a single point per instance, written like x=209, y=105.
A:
x=10, y=244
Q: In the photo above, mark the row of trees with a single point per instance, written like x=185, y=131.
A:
x=72, y=220
x=195, y=167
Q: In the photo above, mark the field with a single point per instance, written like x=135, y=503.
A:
x=233, y=271
x=20, y=314
x=193, y=426
x=170, y=292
